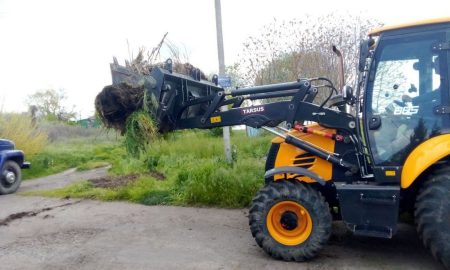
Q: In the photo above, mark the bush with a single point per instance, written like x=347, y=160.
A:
x=26, y=135
x=140, y=130
x=216, y=132
x=214, y=183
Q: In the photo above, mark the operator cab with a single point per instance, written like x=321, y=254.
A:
x=406, y=93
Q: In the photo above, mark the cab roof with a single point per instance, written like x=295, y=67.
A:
x=378, y=31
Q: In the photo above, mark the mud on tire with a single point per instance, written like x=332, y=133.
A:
x=432, y=215
x=296, y=193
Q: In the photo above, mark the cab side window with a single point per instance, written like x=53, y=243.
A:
x=393, y=79
x=403, y=93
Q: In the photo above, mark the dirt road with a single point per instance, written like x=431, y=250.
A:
x=42, y=233
x=61, y=179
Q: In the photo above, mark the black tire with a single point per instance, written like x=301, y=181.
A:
x=290, y=191
x=8, y=186
x=432, y=215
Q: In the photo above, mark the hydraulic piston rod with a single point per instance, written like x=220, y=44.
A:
x=270, y=88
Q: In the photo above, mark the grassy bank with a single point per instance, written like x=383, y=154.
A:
x=80, y=153
x=192, y=167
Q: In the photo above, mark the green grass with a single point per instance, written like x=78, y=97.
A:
x=92, y=164
x=75, y=153
x=133, y=192
x=140, y=130
x=213, y=183
x=193, y=164
x=141, y=191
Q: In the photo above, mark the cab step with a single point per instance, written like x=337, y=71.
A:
x=369, y=210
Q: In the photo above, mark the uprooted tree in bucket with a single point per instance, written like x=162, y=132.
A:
x=126, y=105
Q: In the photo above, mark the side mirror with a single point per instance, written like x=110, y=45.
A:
x=364, y=48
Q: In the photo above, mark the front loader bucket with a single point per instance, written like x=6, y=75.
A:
x=168, y=96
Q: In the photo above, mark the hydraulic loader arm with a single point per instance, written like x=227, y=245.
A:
x=183, y=102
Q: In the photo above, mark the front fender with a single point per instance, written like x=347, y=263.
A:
x=294, y=170
x=423, y=156
x=16, y=155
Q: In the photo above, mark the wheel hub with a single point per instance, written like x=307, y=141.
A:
x=289, y=220
x=10, y=177
x=289, y=223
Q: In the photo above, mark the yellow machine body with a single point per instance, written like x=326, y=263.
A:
x=289, y=155
x=423, y=156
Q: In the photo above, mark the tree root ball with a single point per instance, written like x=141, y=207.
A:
x=116, y=102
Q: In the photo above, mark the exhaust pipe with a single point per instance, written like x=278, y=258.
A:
x=340, y=67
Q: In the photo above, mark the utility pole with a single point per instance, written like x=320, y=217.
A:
x=226, y=130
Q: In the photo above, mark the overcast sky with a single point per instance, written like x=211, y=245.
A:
x=69, y=44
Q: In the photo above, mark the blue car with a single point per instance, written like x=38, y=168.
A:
x=11, y=163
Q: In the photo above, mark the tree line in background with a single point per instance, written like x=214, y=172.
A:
x=49, y=104
x=302, y=48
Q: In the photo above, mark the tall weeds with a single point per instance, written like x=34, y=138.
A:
x=140, y=130
x=20, y=129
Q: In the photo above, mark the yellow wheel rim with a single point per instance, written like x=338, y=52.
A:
x=289, y=223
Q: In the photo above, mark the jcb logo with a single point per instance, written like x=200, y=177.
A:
x=406, y=110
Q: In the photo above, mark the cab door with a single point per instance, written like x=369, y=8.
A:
x=407, y=88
